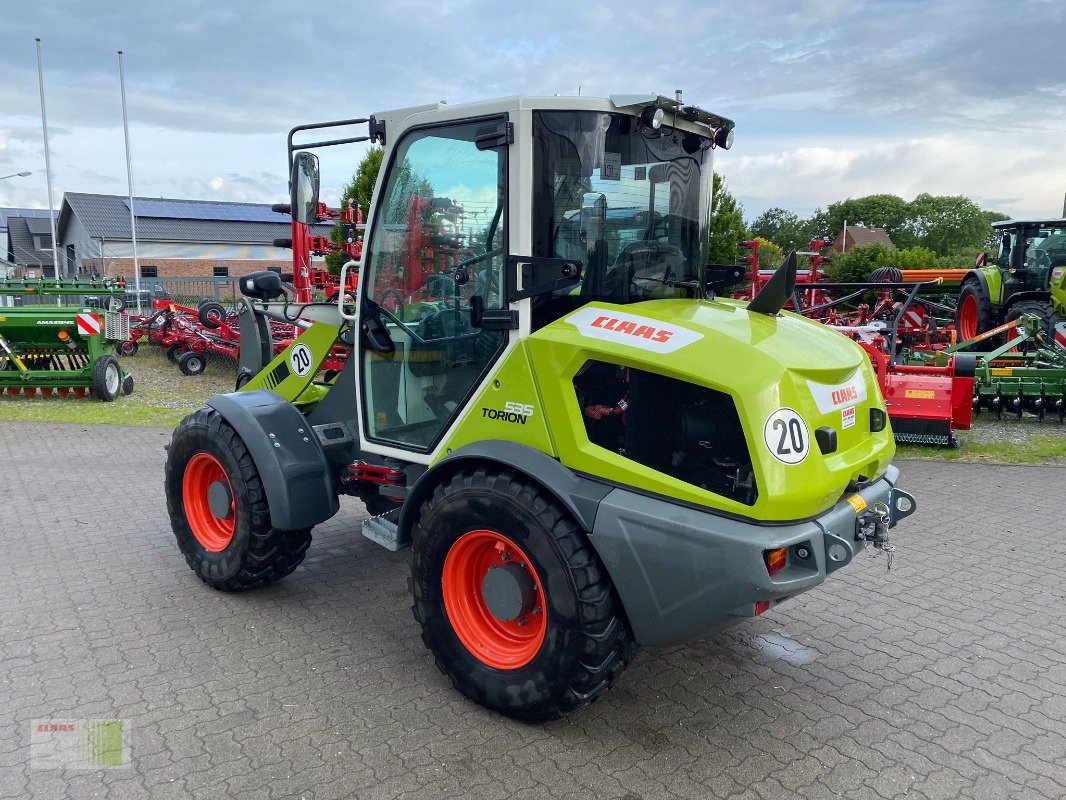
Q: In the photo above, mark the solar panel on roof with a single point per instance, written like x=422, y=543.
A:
x=218, y=212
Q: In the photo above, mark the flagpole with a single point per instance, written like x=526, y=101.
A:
x=129, y=180
x=47, y=163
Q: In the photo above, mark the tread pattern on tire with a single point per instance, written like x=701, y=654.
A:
x=605, y=645
x=1048, y=317
x=271, y=554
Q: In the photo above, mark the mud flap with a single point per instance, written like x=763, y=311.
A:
x=288, y=455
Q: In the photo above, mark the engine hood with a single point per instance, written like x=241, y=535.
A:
x=768, y=364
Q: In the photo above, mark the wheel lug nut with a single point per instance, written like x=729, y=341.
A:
x=506, y=556
x=523, y=621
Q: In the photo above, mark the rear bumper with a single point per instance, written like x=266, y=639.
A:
x=682, y=572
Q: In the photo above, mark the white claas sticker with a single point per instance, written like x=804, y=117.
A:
x=785, y=435
x=633, y=330
x=831, y=397
x=847, y=417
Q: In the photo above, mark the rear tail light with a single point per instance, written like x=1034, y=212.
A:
x=877, y=419
x=761, y=606
x=776, y=560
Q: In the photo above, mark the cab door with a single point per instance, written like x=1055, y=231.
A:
x=434, y=265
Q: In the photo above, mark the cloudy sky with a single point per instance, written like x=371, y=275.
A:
x=832, y=98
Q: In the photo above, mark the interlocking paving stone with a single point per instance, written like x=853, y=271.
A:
x=943, y=678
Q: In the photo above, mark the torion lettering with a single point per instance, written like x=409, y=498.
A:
x=504, y=416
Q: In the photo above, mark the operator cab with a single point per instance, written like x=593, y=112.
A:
x=492, y=220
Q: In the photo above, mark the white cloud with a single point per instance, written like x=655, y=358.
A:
x=833, y=98
x=1016, y=178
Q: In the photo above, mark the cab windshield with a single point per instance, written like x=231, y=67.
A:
x=630, y=203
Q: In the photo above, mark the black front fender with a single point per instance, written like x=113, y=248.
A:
x=292, y=465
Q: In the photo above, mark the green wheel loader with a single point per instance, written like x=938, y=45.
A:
x=585, y=449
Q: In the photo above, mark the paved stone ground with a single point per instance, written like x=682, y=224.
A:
x=944, y=678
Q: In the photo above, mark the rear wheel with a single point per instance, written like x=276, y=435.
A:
x=218, y=508
x=976, y=314
x=128, y=348
x=107, y=379
x=514, y=603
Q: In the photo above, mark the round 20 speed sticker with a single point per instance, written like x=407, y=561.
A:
x=785, y=434
x=300, y=358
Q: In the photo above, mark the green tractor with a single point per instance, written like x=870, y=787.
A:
x=1028, y=276
x=583, y=447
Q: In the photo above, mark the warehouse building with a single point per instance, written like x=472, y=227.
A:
x=26, y=234
x=175, y=238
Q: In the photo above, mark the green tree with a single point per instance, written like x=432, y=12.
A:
x=886, y=211
x=909, y=258
x=357, y=193
x=771, y=255
x=726, y=225
x=855, y=265
x=949, y=225
x=784, y=228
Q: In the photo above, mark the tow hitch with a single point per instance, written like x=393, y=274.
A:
x=873, y=526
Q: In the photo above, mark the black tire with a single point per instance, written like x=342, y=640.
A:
x=886, y=275
x=242, y=379
x=587, y=642
x=127, y=385
x=257, y=554
x=128, y=348
x=115, y=305
x=983, y=314
x=1038, y=308
x=192, y=363
x=174, y=352
x=107, y=379
x=211, y=314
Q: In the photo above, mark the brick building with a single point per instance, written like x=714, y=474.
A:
x=855, y=235
x=175, y=238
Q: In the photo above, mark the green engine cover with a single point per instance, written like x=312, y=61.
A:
x=786, y=375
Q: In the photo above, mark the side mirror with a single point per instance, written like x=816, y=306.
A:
x=261, y=285
x=303, y=188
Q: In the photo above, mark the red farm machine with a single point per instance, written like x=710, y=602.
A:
x=932, y=382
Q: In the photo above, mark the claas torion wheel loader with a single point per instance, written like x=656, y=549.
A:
x=585, y=449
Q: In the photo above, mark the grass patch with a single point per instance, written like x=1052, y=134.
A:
x=162, y=396
x=1037, y=448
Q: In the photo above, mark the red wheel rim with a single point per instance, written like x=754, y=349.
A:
x=498, y=643
x=968, y=317
x=212, y=532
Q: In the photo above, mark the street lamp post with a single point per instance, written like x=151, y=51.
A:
x=15, y=175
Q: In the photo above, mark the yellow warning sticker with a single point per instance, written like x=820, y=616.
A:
x=1002, y=372
x=856, y=502
x=919, y=394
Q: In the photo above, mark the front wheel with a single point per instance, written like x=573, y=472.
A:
x=218, y=508
x=1042, y=310
x=107, y=379
x=513, y=601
